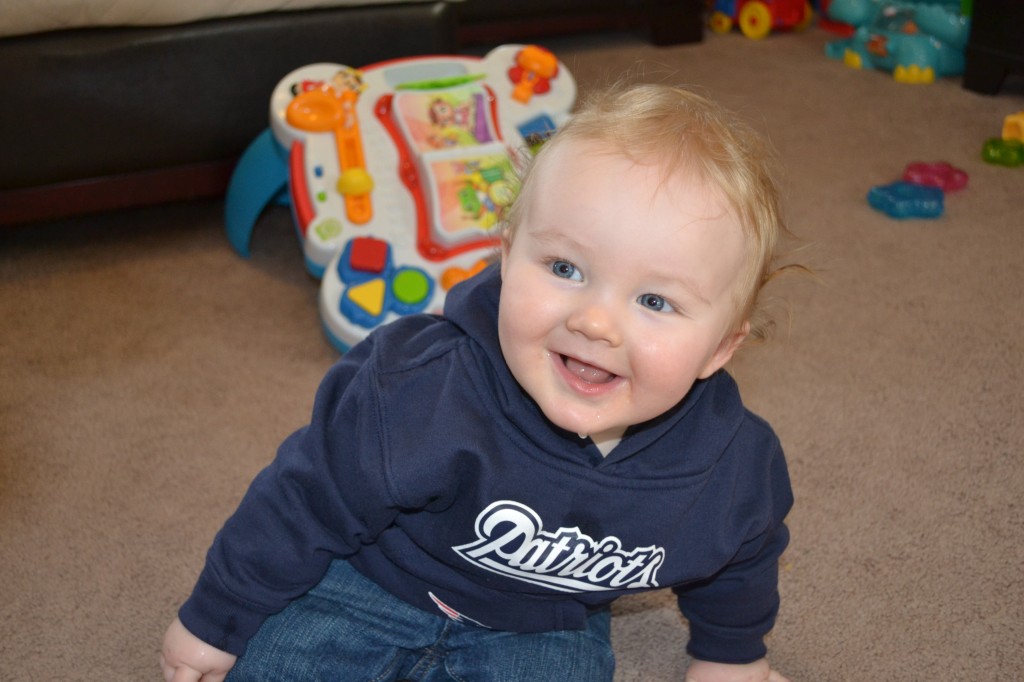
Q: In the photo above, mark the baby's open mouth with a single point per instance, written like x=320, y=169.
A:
x=588, y=373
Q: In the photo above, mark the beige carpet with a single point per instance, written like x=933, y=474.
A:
x=147, y=373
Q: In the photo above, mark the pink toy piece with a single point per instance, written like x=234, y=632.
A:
x=938, y=174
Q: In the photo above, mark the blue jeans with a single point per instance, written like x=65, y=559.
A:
x=347, y=629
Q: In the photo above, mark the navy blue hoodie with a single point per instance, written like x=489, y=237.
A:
x=429, y=469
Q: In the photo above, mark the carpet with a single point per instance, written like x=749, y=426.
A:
x=147, y=373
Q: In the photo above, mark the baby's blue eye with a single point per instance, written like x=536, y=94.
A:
x=566, y=270
x=653, y=302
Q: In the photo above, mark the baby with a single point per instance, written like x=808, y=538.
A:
x=473, y=491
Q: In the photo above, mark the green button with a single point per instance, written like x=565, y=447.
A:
x=328, y=229
x=410, y=286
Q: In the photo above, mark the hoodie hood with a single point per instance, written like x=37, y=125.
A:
x=705, y=421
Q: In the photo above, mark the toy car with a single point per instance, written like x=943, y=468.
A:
x=758, y=18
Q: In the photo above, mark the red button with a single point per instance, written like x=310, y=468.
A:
x=368, y=254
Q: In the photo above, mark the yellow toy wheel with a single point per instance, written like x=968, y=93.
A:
x=755, y=20
x=720, y=22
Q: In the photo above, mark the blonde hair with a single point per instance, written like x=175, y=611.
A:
x=683, y=131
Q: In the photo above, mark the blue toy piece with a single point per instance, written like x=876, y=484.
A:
x=906, y=200
x=916, y=40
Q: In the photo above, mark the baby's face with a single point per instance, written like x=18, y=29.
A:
x=618, y=290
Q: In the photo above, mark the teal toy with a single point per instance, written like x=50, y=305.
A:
x=916, y=40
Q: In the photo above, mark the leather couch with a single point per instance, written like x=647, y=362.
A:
x=103, y=118
x=996, y=46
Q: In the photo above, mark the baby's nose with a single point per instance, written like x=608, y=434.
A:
x=597, y=323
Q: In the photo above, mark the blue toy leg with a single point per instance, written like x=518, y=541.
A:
x=260, y=177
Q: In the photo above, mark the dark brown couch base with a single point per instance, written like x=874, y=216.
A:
x=996, y=47
x=666, y=22
x=104, y=118
x=203, y=180
x=98, y=119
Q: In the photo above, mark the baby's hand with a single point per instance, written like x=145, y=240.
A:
x=186, y=658
x=758, y=671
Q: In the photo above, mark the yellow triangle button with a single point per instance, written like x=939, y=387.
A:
x=369, y=296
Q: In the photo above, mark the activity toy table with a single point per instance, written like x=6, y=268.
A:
x=397, y=173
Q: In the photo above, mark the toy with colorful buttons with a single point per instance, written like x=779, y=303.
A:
x=1007, y=150
x=397, y=173
x=921, y=191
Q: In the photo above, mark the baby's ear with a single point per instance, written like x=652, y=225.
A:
x=730, y=343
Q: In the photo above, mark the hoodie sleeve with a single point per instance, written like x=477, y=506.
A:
x=322, y=497
x=730, y=614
